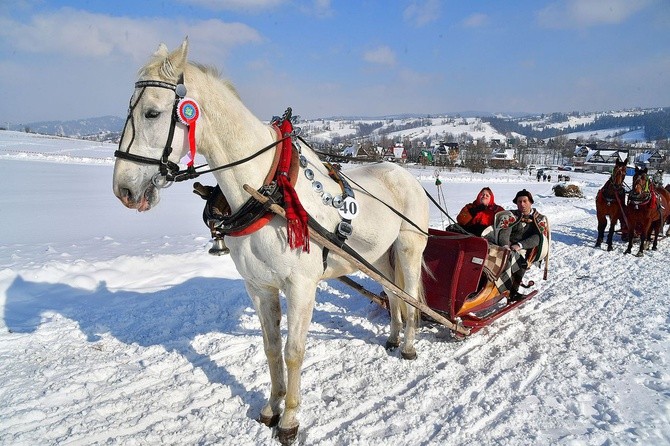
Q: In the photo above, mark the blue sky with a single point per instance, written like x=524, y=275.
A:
x=76, y=59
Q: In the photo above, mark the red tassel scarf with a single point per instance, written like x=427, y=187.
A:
x=296, y=217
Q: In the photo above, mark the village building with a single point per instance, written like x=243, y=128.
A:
x=503, y=159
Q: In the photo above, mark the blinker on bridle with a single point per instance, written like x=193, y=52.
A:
x=168, y=170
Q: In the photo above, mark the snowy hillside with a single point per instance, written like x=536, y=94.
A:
x=118, y=328
x=431, y=129
x=441, y=128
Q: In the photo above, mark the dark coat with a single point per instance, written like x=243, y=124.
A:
x=523, y=231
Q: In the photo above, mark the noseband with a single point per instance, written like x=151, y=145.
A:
x=168, y=170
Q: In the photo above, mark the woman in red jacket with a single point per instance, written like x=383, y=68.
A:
x=476, y=216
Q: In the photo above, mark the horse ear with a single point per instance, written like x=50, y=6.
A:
x=175, y=62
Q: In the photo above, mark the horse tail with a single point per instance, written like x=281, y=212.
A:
x=421, y=291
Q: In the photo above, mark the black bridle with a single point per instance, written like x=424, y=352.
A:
x=167, y=169
x=644, y=195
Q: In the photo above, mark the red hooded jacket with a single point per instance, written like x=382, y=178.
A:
x=475, y=217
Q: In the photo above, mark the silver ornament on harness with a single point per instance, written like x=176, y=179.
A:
x=327, y=198
x=337, y=201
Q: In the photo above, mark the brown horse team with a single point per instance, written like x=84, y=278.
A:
x=644, y=213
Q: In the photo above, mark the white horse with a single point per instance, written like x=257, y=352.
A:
x=227, y=132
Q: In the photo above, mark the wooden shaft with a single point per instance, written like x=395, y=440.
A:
x=361, y=266
x=382, y=301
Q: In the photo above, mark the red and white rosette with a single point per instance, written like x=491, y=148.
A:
x=188, y=113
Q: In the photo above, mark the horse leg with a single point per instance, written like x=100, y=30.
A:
x=654, y=246
x=408, y=251
x=395, y=312
x=300, y=303
x=610, y=234
x=266, y=302
x=643, y=237
x=630, y=239
x=602, y=223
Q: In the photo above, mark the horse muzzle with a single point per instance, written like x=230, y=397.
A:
x=141, y=201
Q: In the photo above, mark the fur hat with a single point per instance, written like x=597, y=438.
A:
x=523, y=193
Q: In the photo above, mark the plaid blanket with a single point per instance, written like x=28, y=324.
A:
x=514, y=263
x=495, y=262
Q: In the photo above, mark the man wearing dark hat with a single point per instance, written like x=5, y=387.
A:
x=522, y=233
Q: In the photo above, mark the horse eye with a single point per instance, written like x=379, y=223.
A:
x=152, y=114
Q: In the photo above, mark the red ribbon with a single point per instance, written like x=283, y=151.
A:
x=189, y=113
x=296, y=217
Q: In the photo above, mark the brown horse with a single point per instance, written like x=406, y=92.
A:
x=609, y=203
x=648, y=209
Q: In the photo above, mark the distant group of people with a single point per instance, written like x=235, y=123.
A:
x=541, y=176
x=519, y=230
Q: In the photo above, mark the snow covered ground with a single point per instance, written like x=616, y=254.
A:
x=118, y=328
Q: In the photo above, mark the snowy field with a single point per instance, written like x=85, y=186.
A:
x=118, y=328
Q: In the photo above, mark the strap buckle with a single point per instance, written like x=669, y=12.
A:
x=344, y=229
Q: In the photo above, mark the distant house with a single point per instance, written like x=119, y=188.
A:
x=350, y=151
x=397, y=153
x=446, y=153
x=360, y=152
x=503, y=159
x=650, y=158
x=602, y=160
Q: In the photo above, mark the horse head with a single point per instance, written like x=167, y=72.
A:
x=619, y=172
x=153, y=138
x=641, y=185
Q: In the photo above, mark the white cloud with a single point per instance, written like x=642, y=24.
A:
x=422, y=12
x=476, y=20
x=236, y=5
x=82, y=34
x=580, y=13
x=382, y=56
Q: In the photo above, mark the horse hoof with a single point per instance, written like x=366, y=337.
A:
x=409, y=356
x=639, y=254
x=269, y=421
x=597, y=245
x=609, y=248
x=287, y=436
x=390, y=346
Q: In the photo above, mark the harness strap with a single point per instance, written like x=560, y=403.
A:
x=344, y=228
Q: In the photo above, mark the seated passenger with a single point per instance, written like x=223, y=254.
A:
x=525, y=232
x=476, y=216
